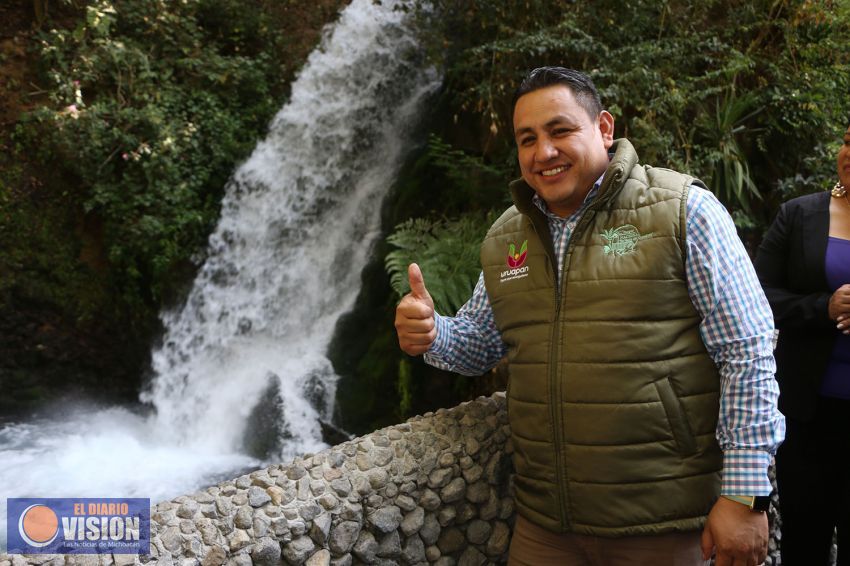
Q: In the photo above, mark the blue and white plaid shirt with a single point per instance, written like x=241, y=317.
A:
x=736, y=327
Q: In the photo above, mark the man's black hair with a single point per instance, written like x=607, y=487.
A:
x=580, y=84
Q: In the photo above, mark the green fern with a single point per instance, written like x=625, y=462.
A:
x=447, y=253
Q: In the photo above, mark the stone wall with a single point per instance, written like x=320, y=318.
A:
x=435, y=490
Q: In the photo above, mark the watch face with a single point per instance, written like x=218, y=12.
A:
x=761, y=503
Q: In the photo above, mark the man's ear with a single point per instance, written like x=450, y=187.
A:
x=606, y=127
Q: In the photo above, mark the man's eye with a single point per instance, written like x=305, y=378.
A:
x=560, y=131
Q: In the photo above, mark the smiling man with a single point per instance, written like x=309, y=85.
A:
x=639, y=345
x=562, y=147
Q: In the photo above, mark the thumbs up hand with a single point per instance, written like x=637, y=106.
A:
x=414, y=316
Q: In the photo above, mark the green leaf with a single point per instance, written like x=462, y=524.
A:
x=447, y=253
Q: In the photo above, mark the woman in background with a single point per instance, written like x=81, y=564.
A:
x=803, y=264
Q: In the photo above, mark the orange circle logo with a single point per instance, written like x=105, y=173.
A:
x=38, y=525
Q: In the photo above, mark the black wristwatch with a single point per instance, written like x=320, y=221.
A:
x=759, y=503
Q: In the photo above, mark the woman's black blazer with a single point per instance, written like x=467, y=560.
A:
x=791, y=267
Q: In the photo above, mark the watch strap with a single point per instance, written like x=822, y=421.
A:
x=754, y=502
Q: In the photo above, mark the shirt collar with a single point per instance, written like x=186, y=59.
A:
x=541, y=204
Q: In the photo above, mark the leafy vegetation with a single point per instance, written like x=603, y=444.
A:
x=112, y=181
x=746, y=88
x=149, y=112
x=447, y=253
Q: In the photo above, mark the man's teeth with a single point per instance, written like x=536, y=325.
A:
x=555, y=171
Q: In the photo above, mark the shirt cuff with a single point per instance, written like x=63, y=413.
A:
x=440, y=347
x=745, y=473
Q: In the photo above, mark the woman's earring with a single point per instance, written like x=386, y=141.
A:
x=838, y=190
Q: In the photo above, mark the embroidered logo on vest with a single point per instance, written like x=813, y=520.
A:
x=515, y=262
x=622, y=240
x=517, y=258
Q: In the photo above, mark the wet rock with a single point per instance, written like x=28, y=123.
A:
x=454, y=491
x=377, y=478
x=309, y=511
x=171, y=539
x=244, y=518
x=471, y=557
x=413, y=521
x=446, y=516
x=432, y=553
x=321, y=558
x=341, y=486
x=430, y=530
x=478, y=492
x=215, y=557
x=257, y=496
x=430, y=501
x=188, y=509
x=414, y=550
x=390, y=545
x=366, y=547
x=439, y=477
x=343, y=536
x=321, y=528
x=238, y=539
x=499, y=539
x=266, y=552
x=478, y=531
x=451, y=540
x=385, y=519
x=296, y=472
x=297, y=551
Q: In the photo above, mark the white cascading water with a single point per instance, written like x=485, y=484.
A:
x=285, y=260
x=296, y=228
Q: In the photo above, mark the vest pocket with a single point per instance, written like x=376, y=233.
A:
x=679, y=425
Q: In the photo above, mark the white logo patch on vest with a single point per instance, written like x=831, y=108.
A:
x=622, y=240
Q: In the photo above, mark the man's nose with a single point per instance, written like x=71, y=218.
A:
x=546, y=150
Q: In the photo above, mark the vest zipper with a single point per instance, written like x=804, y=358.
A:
x=554, y=363
x=554, y=405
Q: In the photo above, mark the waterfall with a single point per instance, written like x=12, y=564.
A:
x=296, y=227
x=248, y=345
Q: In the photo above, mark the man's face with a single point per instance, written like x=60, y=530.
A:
x=562, y=151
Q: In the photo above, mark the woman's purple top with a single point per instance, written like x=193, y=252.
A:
x=836, y=382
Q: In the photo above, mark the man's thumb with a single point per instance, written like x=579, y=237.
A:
x=417, y=282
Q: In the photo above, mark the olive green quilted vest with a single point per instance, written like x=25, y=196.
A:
x=612, y=399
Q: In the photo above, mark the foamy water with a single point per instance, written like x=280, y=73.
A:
x=105, y=453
